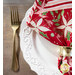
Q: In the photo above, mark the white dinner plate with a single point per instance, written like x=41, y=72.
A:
x=40, y=54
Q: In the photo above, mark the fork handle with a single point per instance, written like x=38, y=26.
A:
x=15, y=63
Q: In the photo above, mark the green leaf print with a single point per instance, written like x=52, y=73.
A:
x=71, y=44
x=58, y=16
x=62, y=12
x=55, y=20
x=45, y=35
x=68, y=35
x=40, y=2
x=52, y=34
x=44, y=13
x=36, y=10
x=51, y=13
x=57, y=24
x=56, y=11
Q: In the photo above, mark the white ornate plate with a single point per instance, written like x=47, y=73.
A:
x=40, y=54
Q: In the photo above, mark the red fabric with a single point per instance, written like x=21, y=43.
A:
x=53, y=21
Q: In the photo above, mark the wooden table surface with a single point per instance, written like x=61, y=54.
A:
x=8, y=43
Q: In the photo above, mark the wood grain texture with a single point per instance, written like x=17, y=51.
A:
x=19, y=1
x=8, y=43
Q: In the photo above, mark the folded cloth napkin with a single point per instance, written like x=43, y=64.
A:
x=52, y=19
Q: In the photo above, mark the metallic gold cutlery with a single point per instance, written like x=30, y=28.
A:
x=15, y=25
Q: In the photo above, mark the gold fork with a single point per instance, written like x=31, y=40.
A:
x=15, y=25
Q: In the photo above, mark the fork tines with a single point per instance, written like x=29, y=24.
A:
x=14, y=15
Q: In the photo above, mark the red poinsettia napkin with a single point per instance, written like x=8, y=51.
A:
x=52, y=19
